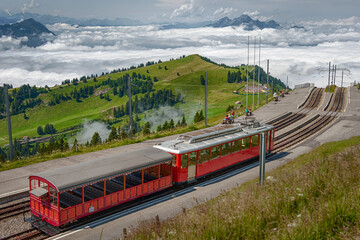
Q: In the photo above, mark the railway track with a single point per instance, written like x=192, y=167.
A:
x=14, y=209
x=29, y=234
x=312, y=126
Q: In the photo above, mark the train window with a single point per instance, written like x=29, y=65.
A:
x=203, y=155
x=34, y=183
x=254, y=140
x=184, y=159
x=215, y=152
x=236, y=146
x=174, y=160
x=226, y=149
x=192, y=158
x=245, y=143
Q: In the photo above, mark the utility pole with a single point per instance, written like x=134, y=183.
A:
x=267, y=81
x=335, y=76
x=205, y=98
x=254, y=74
x=11, y=150
x=332, y=75
x=287, y=82
x=259, y=74
x=130, y=109
x=342, y=77
x=247, y=75
x=329, y=76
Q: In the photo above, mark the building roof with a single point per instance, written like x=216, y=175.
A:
x=70, y=177
x=211, y=137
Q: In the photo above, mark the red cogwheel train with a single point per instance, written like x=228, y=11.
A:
x=64, y=195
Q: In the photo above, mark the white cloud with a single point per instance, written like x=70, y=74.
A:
x=190, y=9
x=224, y=11
x=26, y=7
x=78, y=51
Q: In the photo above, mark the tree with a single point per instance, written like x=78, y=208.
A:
x=202, y=80
x=146, y=129
x=47, y=129
x=183, y=121
x=165, y=126
x=159, y=128
x=113, y=135
x=75, y=145
x=171, y=124
x=96, y=139
x=199, y=116
x=40, y=130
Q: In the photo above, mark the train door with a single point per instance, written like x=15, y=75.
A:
x=192, y=166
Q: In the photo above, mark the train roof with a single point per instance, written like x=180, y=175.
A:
x=86, y=173
x=212, y=136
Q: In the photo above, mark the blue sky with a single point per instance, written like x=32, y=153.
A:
x=188, y=10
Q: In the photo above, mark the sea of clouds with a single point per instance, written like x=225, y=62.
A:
x=302, y=54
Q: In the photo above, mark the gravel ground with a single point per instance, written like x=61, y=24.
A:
x=14, y=224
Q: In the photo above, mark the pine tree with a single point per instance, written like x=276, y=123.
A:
x=159, y=128
x=146, y=129
x=40, y=130
x=113, y=135
x=75, y=145
x=202, y=80
x=183, y=121
x=165, y=126
x=171, y=124
x=96, y=139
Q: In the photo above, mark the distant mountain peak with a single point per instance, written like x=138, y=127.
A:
x=246, y=21
x=29, y=28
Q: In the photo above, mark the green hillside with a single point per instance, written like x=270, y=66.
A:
x=180, y=75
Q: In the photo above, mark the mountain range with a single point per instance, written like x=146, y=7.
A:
x=247, y=22
x=33, y=33
x=244, y=20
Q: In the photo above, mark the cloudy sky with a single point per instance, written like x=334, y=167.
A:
x=330, y=33
x=188, y=10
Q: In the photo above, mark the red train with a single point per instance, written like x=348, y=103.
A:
x=63, y=195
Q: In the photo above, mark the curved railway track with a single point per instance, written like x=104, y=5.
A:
x=282, y=142
x=312, y=126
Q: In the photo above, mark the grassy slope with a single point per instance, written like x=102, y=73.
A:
x=70, y=113
x=315, y=196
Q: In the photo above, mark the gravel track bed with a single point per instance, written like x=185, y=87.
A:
x=12, y=225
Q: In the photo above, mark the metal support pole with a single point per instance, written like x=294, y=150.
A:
x=287, y=82
x=332, y=75
x=329, y=76
x=130, y=110
x=262, y=158
x=205, y=98
x=258, y=90
x=267, y=81
x=247, y=75
x=254, y=74
x=342, y=78
x=11, y=149
x=335, y=76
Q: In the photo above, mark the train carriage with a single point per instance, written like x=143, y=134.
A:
x=199, y=153
x=66, y=194
x=63, y=195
